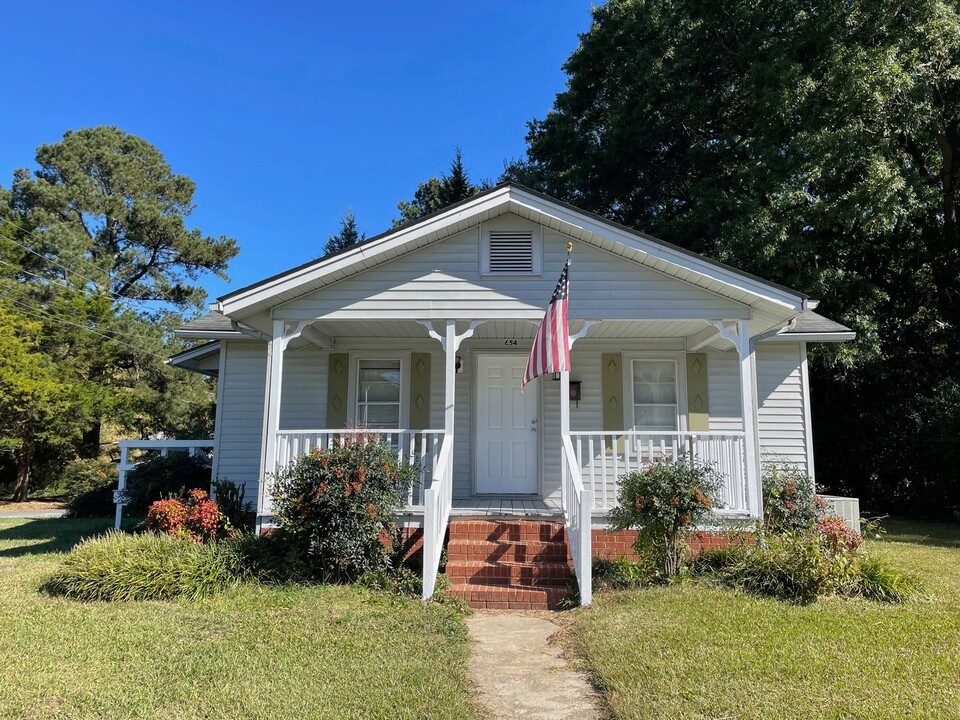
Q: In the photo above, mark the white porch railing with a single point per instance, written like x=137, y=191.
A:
x=420, y=448
x=437, y=503
x=603, y=457
x=163, y=447
x=577, y=509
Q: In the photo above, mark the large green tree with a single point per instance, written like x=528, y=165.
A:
x=94, y=246
x=814, y=143
x=39, y=402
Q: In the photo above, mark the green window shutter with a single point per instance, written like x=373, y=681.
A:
x=337, y=381
x=612, y=387
x=698, y=407
x=419, y=391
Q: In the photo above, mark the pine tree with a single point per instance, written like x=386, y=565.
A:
x=347, y=237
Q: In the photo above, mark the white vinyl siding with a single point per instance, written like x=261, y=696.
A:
x=445, y=279
x=240, y=432
x=781, y=399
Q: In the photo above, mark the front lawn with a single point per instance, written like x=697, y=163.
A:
x=696, y=652
x=297, y=652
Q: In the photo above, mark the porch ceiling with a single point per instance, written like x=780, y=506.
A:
x=510, y=329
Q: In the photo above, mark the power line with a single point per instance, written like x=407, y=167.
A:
x=42, y=314
x=163, y=294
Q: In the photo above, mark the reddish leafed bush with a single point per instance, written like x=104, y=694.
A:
x=839, y=536
x=196, y=518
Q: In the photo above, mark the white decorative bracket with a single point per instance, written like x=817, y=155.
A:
x=741, y=343
x=587, y=324
x=457, y=339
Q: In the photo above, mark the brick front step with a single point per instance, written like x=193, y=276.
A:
x=507, y=531
x=484, y=550
x=512, y=574
x=493, y=597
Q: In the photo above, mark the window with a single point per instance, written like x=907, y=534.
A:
x=378, y=393
x=655, y=395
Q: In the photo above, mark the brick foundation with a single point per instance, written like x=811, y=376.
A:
x=619, y=543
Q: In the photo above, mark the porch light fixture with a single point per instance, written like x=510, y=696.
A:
x=574, y=389
x=556, y=376
x=459, y=366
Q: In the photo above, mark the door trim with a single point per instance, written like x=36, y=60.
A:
x=475, y=425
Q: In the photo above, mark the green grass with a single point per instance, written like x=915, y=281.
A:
x=695, y=652
x=255, y=652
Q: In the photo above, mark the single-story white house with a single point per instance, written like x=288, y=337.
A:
x=421, y=334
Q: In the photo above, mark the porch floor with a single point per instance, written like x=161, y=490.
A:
x=507, y=505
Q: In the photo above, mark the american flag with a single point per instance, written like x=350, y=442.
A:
x=551, y=347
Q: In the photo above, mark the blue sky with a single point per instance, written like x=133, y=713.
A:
x=286, y=113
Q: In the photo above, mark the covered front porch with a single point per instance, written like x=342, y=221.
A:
x=637, y=395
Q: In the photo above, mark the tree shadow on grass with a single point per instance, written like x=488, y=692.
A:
x=945, y=535
x=47, y=535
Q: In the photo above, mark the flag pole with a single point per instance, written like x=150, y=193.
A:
x=565, y=381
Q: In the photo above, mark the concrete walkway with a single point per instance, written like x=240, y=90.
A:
x=519, y=673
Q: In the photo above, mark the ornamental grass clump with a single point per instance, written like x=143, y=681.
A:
x=664, y=503
x=146, y=566
x=801, y=566
x=337, y=509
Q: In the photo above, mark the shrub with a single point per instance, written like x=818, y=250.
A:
x=802, y=566
x=664, y=503
x=790, y=503
x=161, y=477
x=196, y=518
x=267, y=557
x=337, y=505
x=621, y=573
x=89, y=485
x=118, y=566
x=230, y=500
x=839, y=536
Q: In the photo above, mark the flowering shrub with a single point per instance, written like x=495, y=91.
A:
x=336, y=506
x=197, y=518
x=664, y=503
x=790, y=503
x=837, y=535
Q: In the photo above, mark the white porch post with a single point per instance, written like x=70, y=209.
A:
x=751, y=432
x=450, y=346
x=271, y=416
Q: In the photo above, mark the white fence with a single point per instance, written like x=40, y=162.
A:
x=150, y=447
x=603, y=457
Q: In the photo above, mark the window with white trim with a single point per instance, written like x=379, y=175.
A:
x=655, y=395
x=378, y=394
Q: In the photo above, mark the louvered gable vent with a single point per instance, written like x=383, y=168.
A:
x=511, y=251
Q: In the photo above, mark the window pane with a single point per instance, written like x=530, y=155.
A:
x=654, y=381
x=655, y=417
x=379, y=382
x=379, y=416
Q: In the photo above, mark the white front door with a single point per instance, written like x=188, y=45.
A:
x=507, y=427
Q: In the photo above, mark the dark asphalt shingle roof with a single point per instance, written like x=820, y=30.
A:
x=809, y=322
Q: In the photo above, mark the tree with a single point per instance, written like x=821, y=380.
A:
x=108, y=205
x=96, y=234
x=37, y=403
x=813, y=143
x=437, y=193
x=347, y=237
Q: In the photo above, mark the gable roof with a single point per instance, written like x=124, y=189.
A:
x=212, y=325
x=513, y=198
